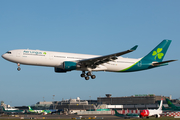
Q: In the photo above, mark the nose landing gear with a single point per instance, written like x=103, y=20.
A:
x=86, y=75
x=18, y=67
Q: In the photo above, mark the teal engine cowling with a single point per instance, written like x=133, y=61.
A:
x=68, y=65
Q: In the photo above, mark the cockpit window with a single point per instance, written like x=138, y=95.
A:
x=8, y=52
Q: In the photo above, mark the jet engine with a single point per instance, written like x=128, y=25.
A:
x=157, y=116
x=59, y=70
x=68, y=65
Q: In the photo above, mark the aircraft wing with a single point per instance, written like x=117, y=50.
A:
x=93, y=62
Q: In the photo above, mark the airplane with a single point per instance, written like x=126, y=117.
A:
x=39, y=111
x=12, y=111
x=172, y=107
x=156, y=112
x=128, y=115
x=64, y=62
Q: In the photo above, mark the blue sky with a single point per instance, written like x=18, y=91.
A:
x=90, y=27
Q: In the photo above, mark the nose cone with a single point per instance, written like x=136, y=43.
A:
x=7, y=56
x=141, y=113
x=144, y=113
x=3, y=56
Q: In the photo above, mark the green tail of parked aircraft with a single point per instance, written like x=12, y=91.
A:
x=172, y=107
x=118, y=114
x=39, y=111
x=64, y=62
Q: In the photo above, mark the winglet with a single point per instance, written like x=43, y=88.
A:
x=134, y=48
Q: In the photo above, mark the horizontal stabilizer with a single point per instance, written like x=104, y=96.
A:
x=159, y=63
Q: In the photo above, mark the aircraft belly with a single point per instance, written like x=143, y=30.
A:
x=100, y=68
x=117, y=67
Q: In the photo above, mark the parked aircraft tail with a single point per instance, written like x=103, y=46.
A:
x=170, y=103
x=118, y=114
x=3, y=108
x=29, y=108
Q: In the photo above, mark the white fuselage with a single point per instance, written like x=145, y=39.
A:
x=155, y=112
x=56, y=59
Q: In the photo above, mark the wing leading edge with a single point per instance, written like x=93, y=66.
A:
x=93, y=62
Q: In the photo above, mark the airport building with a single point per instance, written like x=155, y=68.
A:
x=131, y=100
x=135, y=102
x=145, y=101
x=75, y=104
x=149, y=101
x=66, y=105
x=42, y=105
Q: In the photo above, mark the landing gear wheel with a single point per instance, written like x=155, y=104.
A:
x=82, y=75
x=87, y=77
x=93, y=77
x=18, y=68
x=89, y=74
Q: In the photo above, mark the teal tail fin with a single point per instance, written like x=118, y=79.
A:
x=152, y=59
x=158, y=53
x=170, y=103
x=3, y=108
x=118, y=114
x=29, y=108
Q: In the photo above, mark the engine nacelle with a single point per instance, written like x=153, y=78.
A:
x=158, y=116
x=68, y=65
x=59, y=70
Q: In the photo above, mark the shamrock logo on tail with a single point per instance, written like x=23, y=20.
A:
x=169, y=102
x=158, y=53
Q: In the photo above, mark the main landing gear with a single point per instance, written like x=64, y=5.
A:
x=86, y=75
x=18, y=67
